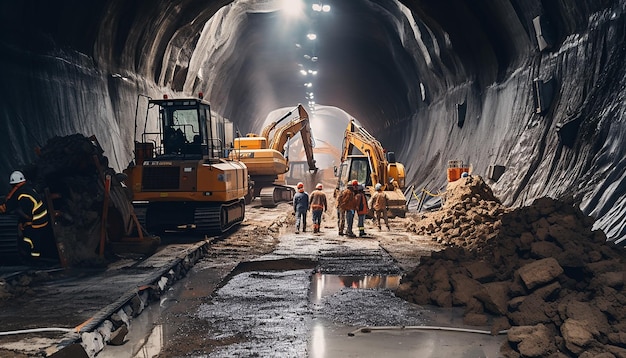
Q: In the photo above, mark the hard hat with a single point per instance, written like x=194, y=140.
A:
x=355, y=183
x=17, y=177
x=300, y=185
x=378, y=186
x=319, y=186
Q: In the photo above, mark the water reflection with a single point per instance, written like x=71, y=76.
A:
x=324, y=285
x=318, y=341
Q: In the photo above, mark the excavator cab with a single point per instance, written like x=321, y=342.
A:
x=355, y=167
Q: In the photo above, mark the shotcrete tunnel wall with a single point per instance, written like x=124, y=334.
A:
x=78, y=66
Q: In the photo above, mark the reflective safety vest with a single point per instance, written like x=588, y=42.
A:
x=28, y=205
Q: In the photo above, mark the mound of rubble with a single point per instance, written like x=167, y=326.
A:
x=469, y=217
x=543, y=273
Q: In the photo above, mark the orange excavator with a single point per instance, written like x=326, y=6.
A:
x=364, y=159
x=267, y=159
x=181, y=178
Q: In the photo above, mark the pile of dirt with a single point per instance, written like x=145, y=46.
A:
x=545, y=275
x=72, y=169
x=469, y=217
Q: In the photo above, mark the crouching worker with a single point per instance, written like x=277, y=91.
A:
x=24, y=201
x=318, y=205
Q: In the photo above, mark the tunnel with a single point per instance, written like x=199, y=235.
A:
x=529, y=94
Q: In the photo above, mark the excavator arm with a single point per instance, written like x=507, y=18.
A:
x=356, y=137
x=381, y=169
x=287, y=131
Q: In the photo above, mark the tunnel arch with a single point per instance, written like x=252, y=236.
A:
x=403, y=69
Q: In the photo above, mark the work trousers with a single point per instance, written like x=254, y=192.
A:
x=361, y=224
x=383, y=213
x=301, y=218
x=317, y=216
x=345, y=220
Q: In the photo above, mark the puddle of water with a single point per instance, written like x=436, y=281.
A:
x=325, y=285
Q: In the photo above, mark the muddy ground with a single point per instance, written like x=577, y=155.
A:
x=258, y=236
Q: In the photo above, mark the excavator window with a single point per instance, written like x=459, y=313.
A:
x=360, y=171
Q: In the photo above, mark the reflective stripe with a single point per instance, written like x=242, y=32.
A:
x=40, y=225
x=40, y=215
x=29, y=242
x=35, y=254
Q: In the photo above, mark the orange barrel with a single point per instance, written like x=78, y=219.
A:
x=456, y=169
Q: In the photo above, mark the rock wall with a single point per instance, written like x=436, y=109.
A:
x=431, y=84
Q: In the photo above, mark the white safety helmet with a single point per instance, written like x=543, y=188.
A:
x=378, y=186
x=17, y=177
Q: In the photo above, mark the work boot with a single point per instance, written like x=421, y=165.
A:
x=362, y=234
x=341, y=233
x=350, y=234
x=379, y=229
x=388, y=228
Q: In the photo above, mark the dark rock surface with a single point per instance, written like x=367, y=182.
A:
x=441, y=81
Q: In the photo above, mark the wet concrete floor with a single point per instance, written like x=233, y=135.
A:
x=313, y=296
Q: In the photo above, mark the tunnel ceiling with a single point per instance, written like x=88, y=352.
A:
x=372, y=55
x=434, y=80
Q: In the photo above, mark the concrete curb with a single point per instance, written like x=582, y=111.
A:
x=94, y=334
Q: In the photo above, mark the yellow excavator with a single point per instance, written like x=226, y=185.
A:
x=181, y=178
x=364, y=159
x=267, y=159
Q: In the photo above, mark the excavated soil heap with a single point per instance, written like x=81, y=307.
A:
x=541, y=272
x=73, y=168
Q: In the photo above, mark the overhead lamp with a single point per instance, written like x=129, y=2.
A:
x=311, y=36
x=303, y=72
x=320, y=8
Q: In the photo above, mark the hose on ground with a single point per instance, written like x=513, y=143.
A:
x=424, y=328
x=37, y=330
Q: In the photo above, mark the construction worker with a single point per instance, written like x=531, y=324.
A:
x=379, y=204
x=300, y=207
x=24, y=201
x=361, y=208
x=318, y=204
x=345, y=209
